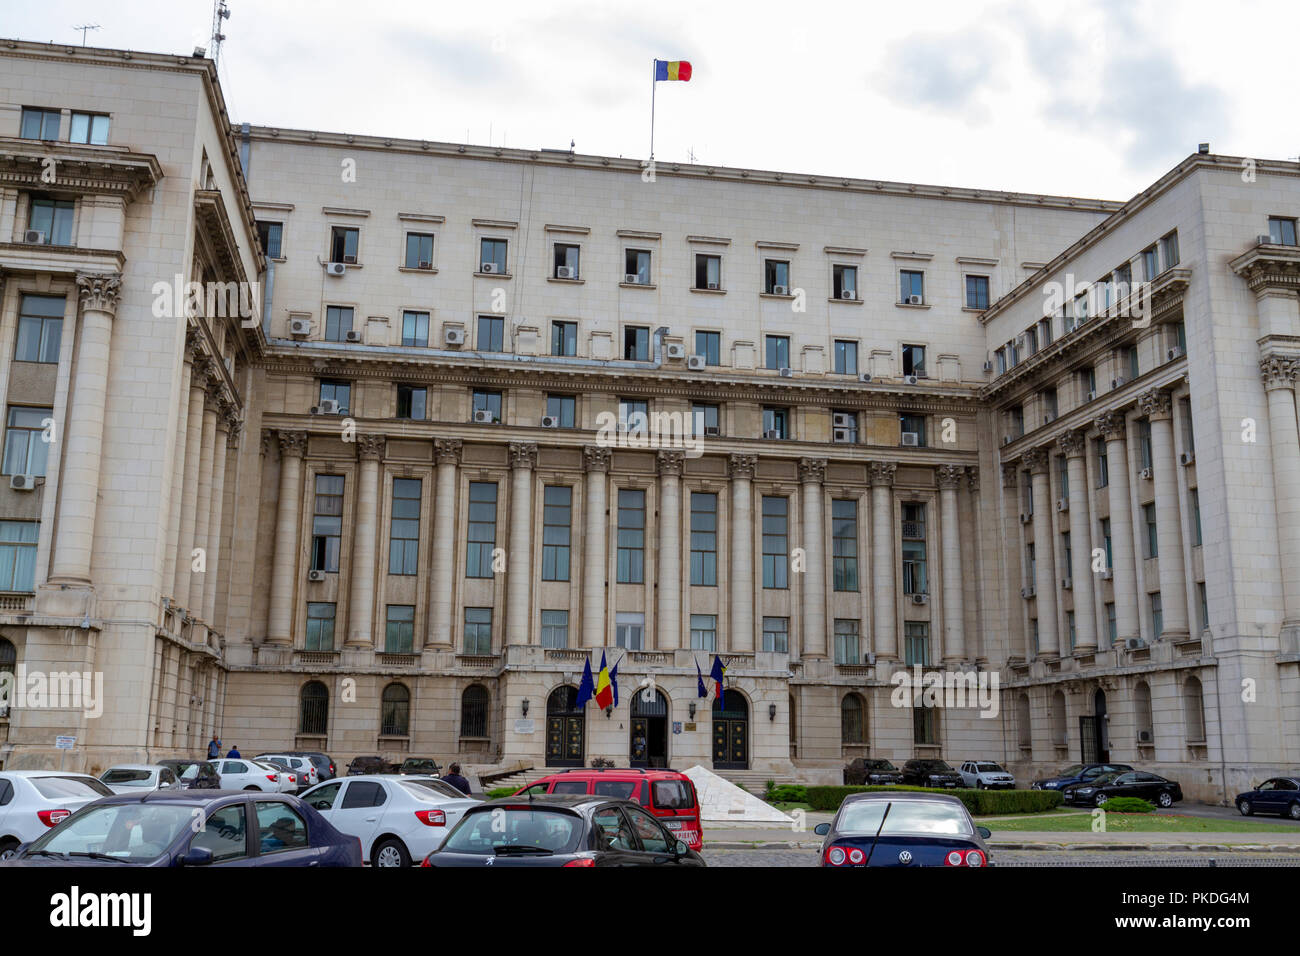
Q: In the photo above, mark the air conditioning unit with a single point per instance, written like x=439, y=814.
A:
x=780, y=290
x=327, y=406
x=22, y=482
x=1067, y=584
x=1188, y=457
x=865, y=378
x=848, y=294
x=1263, y=240
x=1174, y=353
x=34, y=237
x=1090, y=396
x=566, y=272
x=988, y=366
x=1062, y=504
x=843, y=436
x=1108, y=574
x=482, y=416
x=352, y=335
x=842, y=420
x=350, y=260
x=1135, y=643
x=454, y=336
x=1028, y=591
x=786, y=373
x=676, y=350
x=712, y=287
x=300, y=327
x=711, y=431
x=1116, y=382
x=425, y=264
x=696, y=363
x=550, y=421
x=910, y=379
x=1144, y=736
x=489, y=268
x=336, y=269
x=920, y=598
x=314, y=575
x=632, y=278
x=1145, y=474
x=913, y=300
x=772, y=433
x=1026, y=517
x=911, y=438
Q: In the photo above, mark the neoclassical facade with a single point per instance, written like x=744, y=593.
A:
x=487, y=415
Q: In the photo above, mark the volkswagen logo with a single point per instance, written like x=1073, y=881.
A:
x=904, y=857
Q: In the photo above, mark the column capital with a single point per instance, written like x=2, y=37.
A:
x=1010, y=474
x=215, y=390
x=596, y=458
x=268, y=440
x=973, y=477
x=292, y=444
x=950, y=477
x=447, y=450
x=882, y=472
x=99, y=291
x=193, y=344
x=371, y=447
x=236, y=427
x=812, y=469
x=523, y=454
x=1156, y=404
x=1111, y=424
x=742, y=466
x=1036, y=460
x=230, y=416
x=1277, y=371
x=1073, y=444
x=671, y=463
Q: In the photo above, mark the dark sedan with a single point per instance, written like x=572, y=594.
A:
x=1276, y=795
x=875, y=773
x=565, y=830
x=194, y=774
x=905, y=829
x=368, y=764
x=1079, y=773
x=239, y=828
x=1133, y=783
x=930, y=773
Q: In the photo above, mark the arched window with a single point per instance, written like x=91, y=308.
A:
x=1059, y=734
x=8, y=663
x=1024, y=731
x=852, y=720
x=1142, y=712
x=1194, y=710
x=474, y=711
x=395, y=711
x=313, y=708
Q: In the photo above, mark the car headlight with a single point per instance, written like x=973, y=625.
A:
x=1085, y=790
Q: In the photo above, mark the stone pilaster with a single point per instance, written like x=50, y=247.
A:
x=216, y=510
x=595, y=460
x=954, y=613
x=1279, y=378
x=1013, y=549
x=883, y=568
x=190, y=348
x=1111, y=424
x=203, y=498
x=442, y=589
x=669, y=573
x=1075, y=446
x=279, y=626
x=1049, y=641
x=812, y=473
x=1158, y=408
x=365, y=543
x=741, y=573
x=519, y=564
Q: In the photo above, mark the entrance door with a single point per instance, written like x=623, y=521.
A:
x=731, y=733
x=1103, y=738
x=566, y=728
x=648, y=731
x=1088, y=739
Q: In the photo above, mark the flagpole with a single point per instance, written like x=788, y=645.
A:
x=653, y=68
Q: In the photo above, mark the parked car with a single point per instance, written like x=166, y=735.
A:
x=986, y=775
x=301, y=767
x=367, y=765
x=930, y=773
x=902, y=829
x=668, y=794
x=324, y=763
x=397, y=819
x=1078, y=773
x=241, y=773
x=138, y=777
x=561, y=830
x=33, y=801
x=863, y=771
x=194, y=774
x=1276, y=795
x=157, y=829
x=1131, y=783
x=424, y=766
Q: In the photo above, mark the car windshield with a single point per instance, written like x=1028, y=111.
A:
x=933, y=766
x=988, y=768
x=878, y=765
x=906, y=816
x=427, y=789
x=515, y=829
x=1071, y=771
x=74, y=788
x=133, y=832
x=420, y=766
x=127, y=778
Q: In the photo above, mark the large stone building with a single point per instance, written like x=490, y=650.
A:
x=490, y=414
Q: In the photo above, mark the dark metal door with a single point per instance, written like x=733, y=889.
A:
x=731, y=734
x=565, y=729
x=648, y=731
x=1088, y=744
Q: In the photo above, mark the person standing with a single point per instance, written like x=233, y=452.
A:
x=214, y=747
x=456, y=780
x=234, y=751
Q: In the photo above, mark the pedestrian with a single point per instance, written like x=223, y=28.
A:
x=214, y=747
x=234, y=751
x=456, y=780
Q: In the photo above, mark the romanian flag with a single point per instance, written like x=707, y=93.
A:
x=604, y=687
x=672, y=70
x=716, y=673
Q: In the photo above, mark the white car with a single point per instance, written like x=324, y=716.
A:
x=240, y=773
x=33, y=801
x=301, y=767
x=986, y=775
x=399, y=820
x=138, y=778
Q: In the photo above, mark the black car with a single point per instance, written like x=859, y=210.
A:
x=324, y=763
x=864, y=772
x=1275, y=795
x=1131, y=783
x=930, y=773
x=561, y=830
x=903, y=828
x=419, y=765
x=1079, y=773
x=369, y=764
x=193, y=774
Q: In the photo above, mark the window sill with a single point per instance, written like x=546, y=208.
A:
x=773, y=295
x=971, y=308
x=493, y=275
x=908, y=305
x=278, y=258
x=430, y=271
x=637, y=285
x=566, y=281
x=709, y=291
x=853, y=301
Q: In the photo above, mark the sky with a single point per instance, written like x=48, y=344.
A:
x=1091, y=99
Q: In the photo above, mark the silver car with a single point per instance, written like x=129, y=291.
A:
x=138, y=778
x=985, y=775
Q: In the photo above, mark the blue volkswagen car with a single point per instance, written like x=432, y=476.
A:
x=904, y=829
x=1079, y=773
x=224, y=828
x=1279, y=795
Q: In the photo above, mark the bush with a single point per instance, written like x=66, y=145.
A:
x=496, y=793
x=1128, y=805
x=788, y=793
x=978, y=802
x=768, y=787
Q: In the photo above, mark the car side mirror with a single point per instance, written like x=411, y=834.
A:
x=680, y=848
x=197, y=856
x=984, y=832
x=164, y=785
x=822, y=829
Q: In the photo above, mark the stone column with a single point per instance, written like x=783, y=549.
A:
x=1279, y=376
x=1049, y=642
x=1123, y=561
x=741, y=572
x=192, y=350
x=973, y=578
x=1157, y=406
x=595, y=460
x=186, y=544
x=1014, y=544
x=225, y=422
x=83, y=432
x=365, y=544
x=812, y=472
x=448, y=451
x=882, y=559
x=1075, y=445
x=279, y=628
x=203, y=500
x=668, y=574
x=519, y=575
x=954, y=612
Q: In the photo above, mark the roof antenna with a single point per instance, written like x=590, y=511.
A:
x=83, y=28
x=220, y=11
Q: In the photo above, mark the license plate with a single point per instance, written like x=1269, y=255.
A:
x=673, y=824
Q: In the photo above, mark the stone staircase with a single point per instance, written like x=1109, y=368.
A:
x=521, y=779
x=754, y=781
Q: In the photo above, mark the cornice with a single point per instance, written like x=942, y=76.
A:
x=97, y=170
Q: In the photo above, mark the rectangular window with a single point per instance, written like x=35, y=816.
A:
x=636, y=343
x=778, y=351
x=563, y=408
x=343, y=244
x=1105, y=537
x=776, y=277
x=704, y=539
x=419, y=250
x=1069, y=626
x=704, y=419
x=911, y=430
x=26, y=447
x=1050, y=407
x=1067, y=554
x=977, y=292
x=53, y=218
x=776, y=537
x=1196, y=517
x=566, y=261
x=1045, y=331
x=490, y=402
x=1185, y=420
x=327, y=523
x=336, y=391
x=415, y=329
x=846, y=357
x=923, y=725
x=1080, y=309
x=492, y=256
x=709, y=344
x=1063, y=475
x=399, y=629
x=270, y=234
x=776, y=635
x=557, y=528
x=89, y=128
x=482, y=532
x=40, y=328
x=1157, y=616
x=1150, y=263
x=555, y=629
x=631, y=536
x=704, y=632
x=914, y=360
x=1281, y=231
x=916, y=644
x=911, y=287
x=412, y=402
x=338, y=322
x=1131, y=358
x=1103, y=463
x=1169, y=250
x=478, y=631
x=564, y=338
x=1203, y=605
x=629, y=631
x=1112, y=623
x=39, y=123
x=18, y=555
x=1149, y=518
x=404, y=527
x=847, y=649
x=708, y=272
x=914, y=580
x=844, y=544
x=636, y=266
x=634, y=415
x=491, y=333
x=1031, y=563
x=776, y=423
x=844, y=282
x=1144, y=442
x=320, y=627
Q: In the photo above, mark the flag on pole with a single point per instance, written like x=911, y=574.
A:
x=604, y=690
x=699, y=680
x=585, y=688
x=716, y=673
x=613, y=679
x=673, y=70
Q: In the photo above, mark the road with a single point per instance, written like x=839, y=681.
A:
x=1017, y=858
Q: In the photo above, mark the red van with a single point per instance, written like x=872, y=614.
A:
x=668, y=794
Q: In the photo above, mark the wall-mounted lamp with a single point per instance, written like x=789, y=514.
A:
x=771, y=711
x=609, y=712
x=691, y=709
x=523, y=705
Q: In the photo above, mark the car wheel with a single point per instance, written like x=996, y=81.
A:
x=1100, y=799
x=390, y=853
x=1166, y=799
x=1245, y=808
x=1294, y=811
x=8, y=848
x=252, y=788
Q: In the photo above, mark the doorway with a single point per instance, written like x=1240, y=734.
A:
x=566, y=728
x=730, y=732
x=648, y=731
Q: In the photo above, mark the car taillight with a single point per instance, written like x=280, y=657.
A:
x=431, y=818
x=835, y=856
x=856, y=856
x=272, y=777
x=582, y=861
x=954, y=858
x=426, y=862
x=52, y=818
x=965, y=858
x=974, y=858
